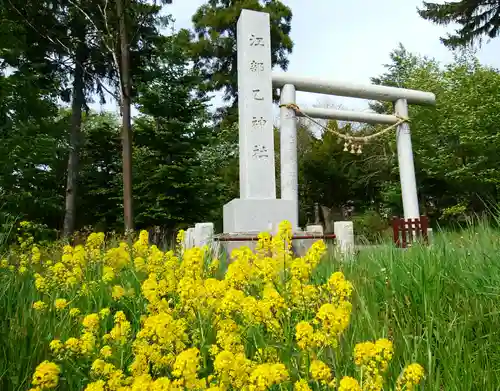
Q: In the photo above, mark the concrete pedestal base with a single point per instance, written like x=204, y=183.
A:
x=300, y=246
x=254, y=215
x=244, y=217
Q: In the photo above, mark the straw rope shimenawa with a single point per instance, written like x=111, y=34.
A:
x=350, y=140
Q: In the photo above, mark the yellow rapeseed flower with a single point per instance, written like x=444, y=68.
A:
x=72, y=345
x=144, y=382
x=264, y=376
x=140, y=264
x=60, y=304
x=214, y=265
x=97, y=367
x=104, y=313
x=320, y=371
x=41, y=283
x=349, y=384
x=91, y=322
x=339, y=287
x=99, y=385
x=182, y=304
x=106, y=351
x=87, y=343
x=121, y=329
x=39, y=305
x=301, y=385
x=180, y=237
x=186, y=367
x=35, y=255
x=304, y=334
x=46, y=375
x=108, y=274
x=95, y=240
x=373, y=357
x=334, y=319
x=56, y=346
x=412, y=375
x=118, y=292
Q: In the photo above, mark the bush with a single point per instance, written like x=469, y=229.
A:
x=370, y=227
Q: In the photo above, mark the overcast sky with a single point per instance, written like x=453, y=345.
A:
x=350, y=40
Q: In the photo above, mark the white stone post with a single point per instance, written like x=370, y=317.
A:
x=430, y=235
x=406, y=165
x=315, y=229
x=344, y=235
x=203, y=234
x=288, y=149
x=256, y=138
x=189, y=238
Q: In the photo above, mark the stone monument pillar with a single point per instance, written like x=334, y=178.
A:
x=257, y=209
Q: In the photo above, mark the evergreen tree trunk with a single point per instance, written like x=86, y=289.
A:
x=78, y=100
x=126, y=115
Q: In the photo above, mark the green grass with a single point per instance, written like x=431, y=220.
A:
x=7, y=222
x=440, y=305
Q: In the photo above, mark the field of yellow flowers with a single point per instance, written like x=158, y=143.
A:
x=132, y=317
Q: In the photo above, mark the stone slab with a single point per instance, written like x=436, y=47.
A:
x=301, y=246
x=203, y=234
x=257, y=215
x=344, y=236
x=189, y=238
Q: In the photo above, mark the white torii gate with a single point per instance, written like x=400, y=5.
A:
x=257, y=209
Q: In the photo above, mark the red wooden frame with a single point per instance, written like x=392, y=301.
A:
x=405, y=230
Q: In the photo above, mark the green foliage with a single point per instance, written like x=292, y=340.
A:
x=169, y=184
x=32, y=150
x=334, y=178
x=455, y=211
x=172, y=129
x=454, y=146
x=35, y=233
x=325, y=164
x=456, y=143
x=476, y=18
x=100, y=179
x=219, y=167
x=370, y=227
